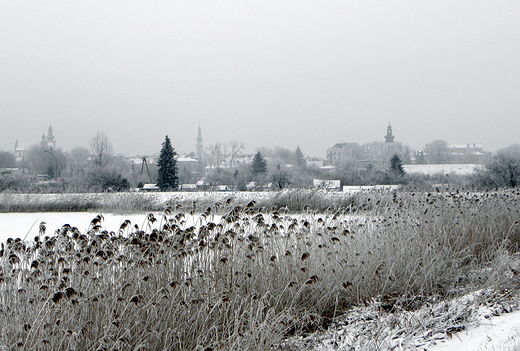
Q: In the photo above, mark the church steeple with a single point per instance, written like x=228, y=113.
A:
x=200, y=147
x=50, y=137
x=389, y=138
x=49, y=141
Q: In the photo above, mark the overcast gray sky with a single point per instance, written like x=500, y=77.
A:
x=267, y=73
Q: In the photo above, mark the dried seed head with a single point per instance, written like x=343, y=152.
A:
x=136, y=299
x=69, y=292
x=57, y=296
x=312, y=280
x=13, y=259
x=347, y=284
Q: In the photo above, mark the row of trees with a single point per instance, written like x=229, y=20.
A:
x=82, y=169
x=168, y=178
x=435, y=152
x=500, y=170
x=98, y=169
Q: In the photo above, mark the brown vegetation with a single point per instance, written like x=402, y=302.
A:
x=252, y=278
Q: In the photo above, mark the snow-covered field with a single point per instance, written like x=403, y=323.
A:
x=501, y=333
x=26, y=225
x=461, y=169
x=478, y=321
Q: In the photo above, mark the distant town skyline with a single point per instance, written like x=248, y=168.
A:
x=201, y=148
x=288, y=74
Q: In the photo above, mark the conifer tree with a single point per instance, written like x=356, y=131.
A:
x=396, y=165
x=298, y=157
x=259, y=165
x=167, y=179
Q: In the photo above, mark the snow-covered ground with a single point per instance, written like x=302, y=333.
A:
x=460, y=169
x=27, y=225
x=478, y=321
x=501, y=333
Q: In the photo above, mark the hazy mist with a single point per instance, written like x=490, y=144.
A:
x=267, y=73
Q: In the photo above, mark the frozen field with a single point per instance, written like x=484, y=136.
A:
x=460, y=169
x=26, y=225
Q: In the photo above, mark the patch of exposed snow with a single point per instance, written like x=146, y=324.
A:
x=27, y=225
x=481, y=320
x=448, y=168
x=496, y=333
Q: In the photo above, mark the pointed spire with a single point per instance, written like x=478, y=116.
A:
x=200, y=147
x=389, y=138
x=49, y=134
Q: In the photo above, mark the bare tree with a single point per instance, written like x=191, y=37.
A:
x=7, y=159
x=101, y=149
x=436, y=152
x=504, y=167
x=217, y=156
x=236, y=148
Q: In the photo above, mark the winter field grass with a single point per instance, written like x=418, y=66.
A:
x=142, y=202
x=257, y=275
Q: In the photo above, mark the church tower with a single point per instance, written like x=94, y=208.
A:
x=200, y=147
x=389, y=138
x=48, y=142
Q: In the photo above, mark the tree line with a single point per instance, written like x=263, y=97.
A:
x=96, y=169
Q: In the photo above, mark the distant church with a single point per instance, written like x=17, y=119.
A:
x=342, y=152
x=389, y=137
x=200, y=147
x=48, y=142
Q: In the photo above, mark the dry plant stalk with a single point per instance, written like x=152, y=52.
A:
x=251, y=278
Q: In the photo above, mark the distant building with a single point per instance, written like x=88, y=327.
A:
x=342, y=153
x=150, y=187
x=48, y=142
x=187, y=164
x=21, y=149
x=437, y=153
x=467, y=153
x=389, y=137
x=347, y=153
x=200, y=146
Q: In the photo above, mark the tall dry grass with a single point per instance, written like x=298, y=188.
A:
x=254, y=277
x=295, y=200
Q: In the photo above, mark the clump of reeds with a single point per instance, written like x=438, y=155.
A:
x=295, y=200
x=251, y=277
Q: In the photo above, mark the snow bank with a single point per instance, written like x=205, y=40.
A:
x=481, y=320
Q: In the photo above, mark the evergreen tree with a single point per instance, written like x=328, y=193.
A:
x=259, y=165
x=167, y=178
x=396, y=165
x=299, y=160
